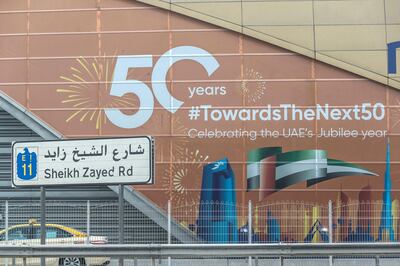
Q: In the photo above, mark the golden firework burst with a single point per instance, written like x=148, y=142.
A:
x=181, y=139
x=253, y=86
x=181, y=180
x=88, y=90
x=179, y=127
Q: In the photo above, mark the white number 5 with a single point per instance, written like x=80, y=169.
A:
x=121, y=86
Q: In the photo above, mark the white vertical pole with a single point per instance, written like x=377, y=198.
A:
x=249, y=226
x=330, y=218
x=42, y=221
x=6, y=226
x=169, y=222
x=121, y=206
x=250, y=222
x=6, y=221
x=169, y=228
x=330, y=227
x=88, y=222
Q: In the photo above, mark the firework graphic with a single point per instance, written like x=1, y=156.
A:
x=395, y=114
x=253, y=86
x=89, y=104
x=181, y=139
x=179, y=127
x=181, y=179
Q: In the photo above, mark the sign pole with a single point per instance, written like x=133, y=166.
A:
x=42, y=221
x=121, y=218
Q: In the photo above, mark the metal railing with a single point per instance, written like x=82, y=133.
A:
x=204, y=250
x=203, y=254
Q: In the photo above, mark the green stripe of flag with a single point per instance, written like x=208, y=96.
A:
x=256, y=155
x=293, y=156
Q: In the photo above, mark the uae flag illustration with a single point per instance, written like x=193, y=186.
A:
x=269, y=170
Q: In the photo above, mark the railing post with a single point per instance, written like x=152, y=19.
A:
x=6, y=226
x=169, y=221
x=249, y=227
x=42, y=221
x=330, y=228
x=376, y=260
x=169, y=227
x=88, y=222
x=249, y=222
x=330, y=218
x=121, y=209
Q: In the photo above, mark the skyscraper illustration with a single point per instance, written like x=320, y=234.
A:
x=386, y=232
x=217, y=221
x=363, y=230
x=273, y=228
x=342, y=209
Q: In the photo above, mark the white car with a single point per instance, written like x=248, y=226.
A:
x=29, y=234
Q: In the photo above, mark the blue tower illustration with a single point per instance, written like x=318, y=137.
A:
x=386, y=227
x=274, y=229
x=217, y=221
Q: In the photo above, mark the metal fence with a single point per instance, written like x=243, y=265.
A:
x=205, y=222
x=208, y=254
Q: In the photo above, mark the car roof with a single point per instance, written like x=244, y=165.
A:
x=59, y=226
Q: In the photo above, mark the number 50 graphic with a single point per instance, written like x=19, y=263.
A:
x=121, y=85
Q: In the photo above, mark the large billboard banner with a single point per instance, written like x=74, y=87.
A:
x=234, y=119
